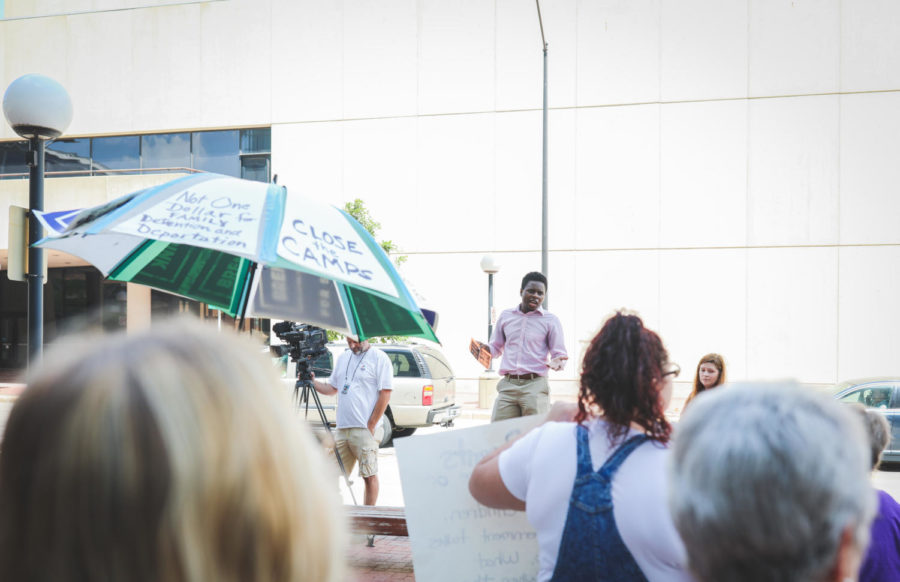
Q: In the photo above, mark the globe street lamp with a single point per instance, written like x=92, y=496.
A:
x=490, y=265
x=37, y=108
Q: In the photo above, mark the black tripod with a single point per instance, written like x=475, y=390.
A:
x=301, y=398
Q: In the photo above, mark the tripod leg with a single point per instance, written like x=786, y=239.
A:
x=307, y=390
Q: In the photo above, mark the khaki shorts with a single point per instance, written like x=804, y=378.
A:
x=357, y=444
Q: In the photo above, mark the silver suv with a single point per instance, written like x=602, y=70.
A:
x=424, y=389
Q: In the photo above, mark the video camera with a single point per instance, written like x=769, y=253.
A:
x=304, y=342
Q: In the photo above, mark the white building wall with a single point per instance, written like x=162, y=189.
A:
x=727, y=168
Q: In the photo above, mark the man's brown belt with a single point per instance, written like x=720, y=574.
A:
x=530, y=376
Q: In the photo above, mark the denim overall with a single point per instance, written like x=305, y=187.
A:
x=591, y=547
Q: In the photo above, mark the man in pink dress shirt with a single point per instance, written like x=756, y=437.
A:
x=531, y=342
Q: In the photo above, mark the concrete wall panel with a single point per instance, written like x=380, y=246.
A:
x=455, y=161
x=870, y=45
x=869, y=312
x=380, y=50
x=517, y=181
x=102, y=51
x=618, y=52
x=181, y=96
x=376, y=168
x=519, y=56
x=307, y=61
x=456, y=56
x=699, y=60
x=792, y=316
x=561, y=180
x=794, y=171
x=617, y=177
x=795, y=47
x=703, y=175
x=870, y=148
x=608, y=281
x=235, y=81
x=308, y=157
x=703, y=298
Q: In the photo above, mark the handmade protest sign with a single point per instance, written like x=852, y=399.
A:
x=204, y=216
x=449, y=531
x=320, y=239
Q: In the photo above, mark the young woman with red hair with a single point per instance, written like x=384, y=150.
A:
x=592, y=478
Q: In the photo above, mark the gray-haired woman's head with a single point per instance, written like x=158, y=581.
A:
x=769, y=482
x=878, y=431
x=169, y=454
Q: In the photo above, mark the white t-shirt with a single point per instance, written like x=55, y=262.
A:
x=364, y=375
x=540, y=469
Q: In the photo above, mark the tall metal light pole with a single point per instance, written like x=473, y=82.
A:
x=544, y=205
x=490, y=266
x=37, y=108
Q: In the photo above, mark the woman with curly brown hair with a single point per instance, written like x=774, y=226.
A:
x=710, y=373
x=592, y=478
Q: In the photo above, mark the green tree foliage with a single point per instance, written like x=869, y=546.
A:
x=357, y=209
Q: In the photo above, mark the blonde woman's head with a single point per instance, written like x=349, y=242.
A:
x=165, y=455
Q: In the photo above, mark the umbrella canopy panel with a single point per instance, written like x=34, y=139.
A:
x=198, y=273
x=299, y=296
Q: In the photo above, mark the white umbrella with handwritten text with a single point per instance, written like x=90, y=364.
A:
x=244, y=246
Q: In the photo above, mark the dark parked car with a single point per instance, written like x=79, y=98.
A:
x=881, y=394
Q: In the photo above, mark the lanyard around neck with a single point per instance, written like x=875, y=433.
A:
x=358, y=364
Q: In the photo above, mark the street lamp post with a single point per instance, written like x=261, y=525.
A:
x=490, y=266
x=37, y=108
x=545, y=266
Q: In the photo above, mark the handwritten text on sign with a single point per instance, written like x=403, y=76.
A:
x=318, y=238
x=449, y=531
x=207, y=215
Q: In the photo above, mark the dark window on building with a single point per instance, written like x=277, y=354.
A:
x=255, y=168
x=75, y=299
x=13, y=324
x=165, y=151
x=256, y=141
x=71, y=156
x=116, y=153
x=234, y=152
x=12, y=158
x=217, y=151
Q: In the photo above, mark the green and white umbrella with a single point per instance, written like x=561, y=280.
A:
x=246, y=248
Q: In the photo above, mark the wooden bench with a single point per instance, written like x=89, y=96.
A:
x=377, y=520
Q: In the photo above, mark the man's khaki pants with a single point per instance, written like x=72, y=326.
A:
x=517, y=398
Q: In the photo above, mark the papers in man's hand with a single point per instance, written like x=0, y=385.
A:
x=481, y=352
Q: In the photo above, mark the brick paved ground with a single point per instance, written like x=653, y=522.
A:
x=389, y=561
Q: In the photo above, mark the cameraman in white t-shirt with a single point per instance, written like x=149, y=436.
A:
x=361, y=378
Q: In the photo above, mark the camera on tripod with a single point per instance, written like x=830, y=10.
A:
x=304, y=342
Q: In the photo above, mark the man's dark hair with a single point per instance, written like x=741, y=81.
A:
x=533, y=276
